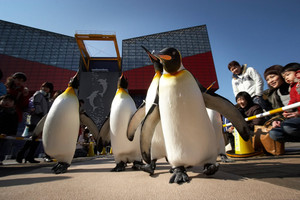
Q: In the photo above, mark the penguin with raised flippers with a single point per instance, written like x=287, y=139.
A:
x=61, y=127
x=189, y=135
x=122, y=109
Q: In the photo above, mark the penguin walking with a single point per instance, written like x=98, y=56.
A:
x=189, y=135
x=61, y=127
x=122, y=109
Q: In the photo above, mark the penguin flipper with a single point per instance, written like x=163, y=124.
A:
x=135, y=121
x=39, y=127
x=226, y=108
x=90, y=124
x=103, y=138
x=147, y=130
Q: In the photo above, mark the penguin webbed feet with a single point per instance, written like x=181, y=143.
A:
x=149, y=168
x=60, y=167
x=225, y=159
x=210, y=169
x=119, y=167
x=179, y=175
x=137, y=165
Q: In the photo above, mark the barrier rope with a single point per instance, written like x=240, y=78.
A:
x=23, y=138
x=16, y=138
x=271, y=112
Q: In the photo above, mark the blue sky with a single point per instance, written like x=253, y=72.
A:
x=260, y=33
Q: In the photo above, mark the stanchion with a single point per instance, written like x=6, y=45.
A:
x=91, y=152
x=242, y=148
x=103, y=152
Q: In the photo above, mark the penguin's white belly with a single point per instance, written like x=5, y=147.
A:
x=61, y=128
x=121, y=111
x=188, y=133
x=158, y=149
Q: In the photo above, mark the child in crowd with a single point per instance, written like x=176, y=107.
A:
x=289, y=129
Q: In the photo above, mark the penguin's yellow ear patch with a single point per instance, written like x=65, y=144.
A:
x=165, y=57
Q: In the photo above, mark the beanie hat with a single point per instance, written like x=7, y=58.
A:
x=274, y=69
x=291, y=67
x=20, y=75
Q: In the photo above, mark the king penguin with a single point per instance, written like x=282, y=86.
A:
x=61, y=127
x=158, y=149
x=189, y=135
x=122, y=109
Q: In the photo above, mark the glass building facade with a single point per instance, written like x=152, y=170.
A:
x=39, y=46
x=189, y=41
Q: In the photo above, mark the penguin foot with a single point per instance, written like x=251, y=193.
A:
x=60, y=167
x=210, y=169
x=173, y=168
x=149, y=168
x=119, y=167
x=179, y=176
x=225, y=159
x=137, y=165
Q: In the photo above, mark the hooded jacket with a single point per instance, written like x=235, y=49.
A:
x=249, y=81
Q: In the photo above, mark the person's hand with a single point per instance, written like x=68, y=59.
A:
x=230, y=129
x=290, y=114
x=276, y=124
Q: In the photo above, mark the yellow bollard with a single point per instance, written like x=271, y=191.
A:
x=103, y=152
x=242, y=148
x=110, y=151
x=91, y=152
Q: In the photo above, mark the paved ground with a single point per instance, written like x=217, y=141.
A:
x=260, y=177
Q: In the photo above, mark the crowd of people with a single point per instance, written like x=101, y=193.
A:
x=18, y=106
x=283, y=89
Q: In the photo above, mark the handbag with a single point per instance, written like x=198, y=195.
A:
x=262, y=141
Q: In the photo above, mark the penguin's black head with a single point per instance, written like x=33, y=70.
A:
x=170, y=58
x=74, y=81
x=155, y=60
x=123, y=82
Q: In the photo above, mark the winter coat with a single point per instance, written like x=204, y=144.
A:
x=249, y=81
x=251, y=111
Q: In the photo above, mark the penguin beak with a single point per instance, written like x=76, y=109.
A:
x=164, y=57
x=123, y=82
x=152, y=57
x=74, y=82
